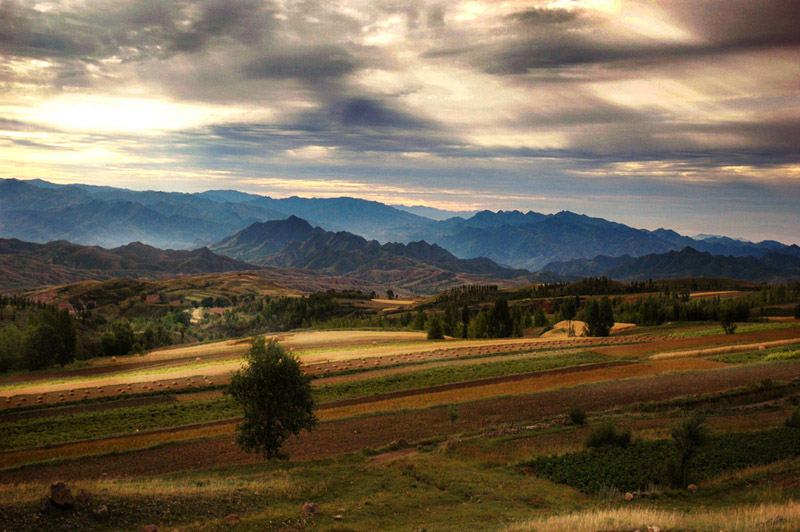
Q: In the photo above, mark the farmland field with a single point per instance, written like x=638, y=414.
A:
x=416, y=433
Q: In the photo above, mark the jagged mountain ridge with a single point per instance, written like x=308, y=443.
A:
x=343, y=253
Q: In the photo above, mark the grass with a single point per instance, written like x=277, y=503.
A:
x=642, y=463
x=451, y=374
x=715, y=329
x=731, y=519
x=38, y=432
x=474, y=484
x=439, y=490
x=522, y=387
x=772, y=354
x=426, y=491
x=103, y=447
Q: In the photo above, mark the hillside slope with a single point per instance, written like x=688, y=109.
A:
x=26, y=264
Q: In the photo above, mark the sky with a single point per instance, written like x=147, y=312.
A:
x=682, y=113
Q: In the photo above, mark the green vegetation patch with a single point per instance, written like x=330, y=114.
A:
x=645, y=462
x=451, y=374
x=741, y=328
x=775, y=354
x=39, y=432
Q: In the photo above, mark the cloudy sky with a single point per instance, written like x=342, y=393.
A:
x=676, y=113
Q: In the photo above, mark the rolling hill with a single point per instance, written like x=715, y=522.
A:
x=26, y=264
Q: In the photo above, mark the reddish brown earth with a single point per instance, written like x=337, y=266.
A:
x=353, y=434
x=473, y=384
x=50, y=412
x=703, y=341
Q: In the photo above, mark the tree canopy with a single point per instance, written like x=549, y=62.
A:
x=599, y=317
x=276, y=397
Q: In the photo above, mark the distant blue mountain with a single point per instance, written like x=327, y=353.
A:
x=771, y=267
x=39, y=211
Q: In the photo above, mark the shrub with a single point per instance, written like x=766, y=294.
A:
x=632, y=467
x=453, y=413
x=435, y=329
x=606, y=434
x=577, y=415
x=687, y=436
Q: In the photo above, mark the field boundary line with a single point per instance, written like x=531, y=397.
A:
x=724, y=349
x=474, y=384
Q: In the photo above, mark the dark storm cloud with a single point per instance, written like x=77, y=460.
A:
x=364, y=112
x=542, y=39
x=538, y=16
x=741, y=24
x=129, y=30
x=568, y=51
x=315, y=63
x=591, y=111
x=246, y=21
x=28, y=33
x=353, y=125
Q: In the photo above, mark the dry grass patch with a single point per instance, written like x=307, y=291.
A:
x=139, y=378
x=277, y=484
x=726, y=349
x=740, y=518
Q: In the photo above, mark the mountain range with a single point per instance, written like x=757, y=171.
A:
x=294, y=243
x=39, y=211
x=291, y=247
x=772, y=267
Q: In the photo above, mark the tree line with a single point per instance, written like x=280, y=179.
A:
x=48, y=337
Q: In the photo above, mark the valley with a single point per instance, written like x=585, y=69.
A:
x=502, y=371
x=414, y=432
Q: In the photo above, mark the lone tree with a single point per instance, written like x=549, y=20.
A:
x=276, y=397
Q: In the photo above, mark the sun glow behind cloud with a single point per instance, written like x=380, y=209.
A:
x=144, y=116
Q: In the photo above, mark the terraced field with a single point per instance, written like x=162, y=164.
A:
x=454, y=418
